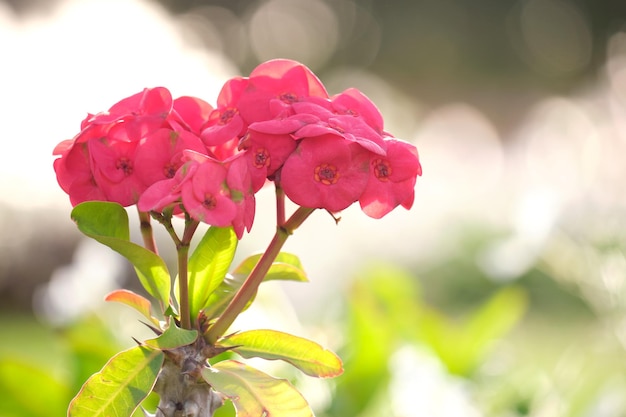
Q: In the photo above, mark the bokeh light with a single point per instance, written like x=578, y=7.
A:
x=304, y=30
x=552, y=36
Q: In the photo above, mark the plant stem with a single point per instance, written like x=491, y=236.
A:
x=280, y=205
x=183, y=288
x=251, y=284
x=166, y=221
x=182, y=249
x=146, y=231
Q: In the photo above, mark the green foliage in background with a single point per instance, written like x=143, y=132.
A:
x=385, y=309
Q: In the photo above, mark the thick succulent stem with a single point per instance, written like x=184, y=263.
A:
x=183, y=393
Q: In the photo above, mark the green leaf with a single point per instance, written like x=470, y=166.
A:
x=172, y=338
x=136, y=301
x=494, y=319
x=304, y=354
x=286, y=267
x=121, y=385
x=91, y=344
x=497, y=316
x=208, y=265
x=255, y=393
x=219, y=299
x=100, y=218
x=108, y=224
x=371, y=337
x=462, y=346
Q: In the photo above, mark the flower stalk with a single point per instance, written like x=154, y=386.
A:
x=280, y=205
x=251, y=284
x=146, y=231
x=182, y=250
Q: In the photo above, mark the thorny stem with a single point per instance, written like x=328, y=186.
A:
x=251, y=284
x=146, y=231
x=180, y=388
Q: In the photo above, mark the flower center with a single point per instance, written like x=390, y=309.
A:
x=382, y=169
x=125, y=164
x=288, y=97
x=227, y=115
x=209, y=201
x=169, y=170
x=261, y=158
x=326, y=174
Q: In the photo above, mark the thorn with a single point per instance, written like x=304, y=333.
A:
x=156, y=330
x=137, y=341
x=173, y=355
x=230, y=335
x=212, y=351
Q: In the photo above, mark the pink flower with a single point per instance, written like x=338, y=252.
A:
x=355, y=103
x=278, y=124
x=149, y=102
x=266, y=153
x=206, y=196
x=392, y=179
x=350, y=128
x=74, y=165
x=190, y=114
x=274, y=86
x=166, y=193
x=285, y=125
x=159, y=154
x=225, y=123
x=239, y=182
x=317, y=106
x=140, y=113
x=325, y=172
x=73, y=171
x=114, y=170
x=100, y=162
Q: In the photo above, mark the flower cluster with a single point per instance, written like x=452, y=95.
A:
x=278, y=124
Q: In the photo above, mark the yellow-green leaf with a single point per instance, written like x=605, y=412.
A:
x=172, y=338
x=254, y=393
x=108, y=224
x=121, y=385
x=208, y=265
x=286, y=267
x=304, y=354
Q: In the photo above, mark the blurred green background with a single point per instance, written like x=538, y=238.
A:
x=501, y=293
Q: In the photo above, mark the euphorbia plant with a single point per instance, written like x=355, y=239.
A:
x=183, y=158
